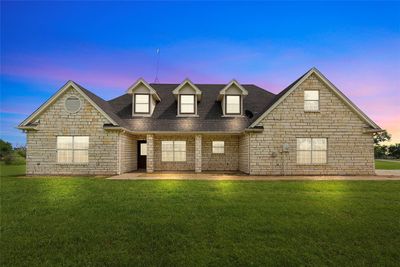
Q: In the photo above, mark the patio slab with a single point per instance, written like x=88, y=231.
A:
x=381, y=176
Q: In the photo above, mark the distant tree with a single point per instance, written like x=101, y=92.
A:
x=380, y=151
x=394, y=151
x=5, y=149
x=381, y=137
x=21, y=150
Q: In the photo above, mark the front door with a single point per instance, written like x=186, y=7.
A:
x=142, y=154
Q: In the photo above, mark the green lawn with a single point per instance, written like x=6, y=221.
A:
x=98, y=222
x=387, y=165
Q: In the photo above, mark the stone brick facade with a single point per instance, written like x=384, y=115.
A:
x=350, y=150
x=244, y=146
x=228, y=161
x=55, y=121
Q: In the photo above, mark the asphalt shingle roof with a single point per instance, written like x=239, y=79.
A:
x=209, y=111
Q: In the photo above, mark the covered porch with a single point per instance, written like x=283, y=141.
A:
x=184, y=152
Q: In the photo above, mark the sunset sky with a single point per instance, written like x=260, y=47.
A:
x=107, y=46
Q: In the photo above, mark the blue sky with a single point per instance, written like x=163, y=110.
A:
x=106, y=46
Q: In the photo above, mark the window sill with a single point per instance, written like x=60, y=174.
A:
x=232, y=116
x=141, y=115
x=187, y=115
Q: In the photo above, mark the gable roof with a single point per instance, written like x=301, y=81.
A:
x=288, y=90
x=229, y=85
x=189, y=82
x=101, y=105
x=142, y=81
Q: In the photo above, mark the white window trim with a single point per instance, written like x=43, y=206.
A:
x=72, y=149
x=226, y=105
x=148, y=104
x=173, y=151
x=215, y=147
x=311, y=151
x=318, y=100
x=194, y=113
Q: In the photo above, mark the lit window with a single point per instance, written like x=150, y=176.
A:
x=143, y=149
x=311, y=150
x=187, y=104
x=173, y=150
x=72, y=149
x=218, y=147
x=311, y=100
x=142, y=103
x=232, y=103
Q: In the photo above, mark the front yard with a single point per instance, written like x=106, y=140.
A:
x=93, y=221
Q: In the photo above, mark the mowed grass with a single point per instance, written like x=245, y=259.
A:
x=98, y=222
x=387, y=165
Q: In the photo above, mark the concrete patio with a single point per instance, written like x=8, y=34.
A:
x=382, y=175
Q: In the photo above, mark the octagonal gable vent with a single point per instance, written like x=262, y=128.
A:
x=73, y=104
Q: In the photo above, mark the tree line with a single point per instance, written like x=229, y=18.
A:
x=385, y=151
x=12, y=155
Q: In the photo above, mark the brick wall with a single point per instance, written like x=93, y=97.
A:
x=228, y=161
x=54, y=121
x=244, y=142
x=350, y=151
x=128, y=153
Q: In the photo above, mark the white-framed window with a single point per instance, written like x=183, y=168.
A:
x=187, y=104
x=311, y=100
x=142, y=103
x=312, y=150
x=173, y=150
x=233, y=104
x=218, y=147
x=72, y=149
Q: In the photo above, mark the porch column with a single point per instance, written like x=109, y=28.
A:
x=150, y=153
x=197, y=153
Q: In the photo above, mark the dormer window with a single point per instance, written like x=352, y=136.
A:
x=187, y=104
x=144, y=98
x=142, y=103
x=233, y=104
x=231, y=97
x=187, y=96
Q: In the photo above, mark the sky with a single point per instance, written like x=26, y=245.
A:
x=107, y=46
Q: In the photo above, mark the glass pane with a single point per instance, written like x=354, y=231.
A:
x=81, y=156
x=143, y=149
x=187, y=108
x=319, y=157
x=187, y=99
x=143, y=108
x=303, y=157
x=81, y=142
x=64, y=142
x=311, y=105
x=180, y=145
x=218, y=147
x=232, y=104
x=142, y=99
x=303, y=143
x=167, y=146
x=319, y=144
x=180, y=156
x=64, y=156
x=311, y=95
x=167, y=156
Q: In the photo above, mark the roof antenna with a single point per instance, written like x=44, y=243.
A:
x=157, y=67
